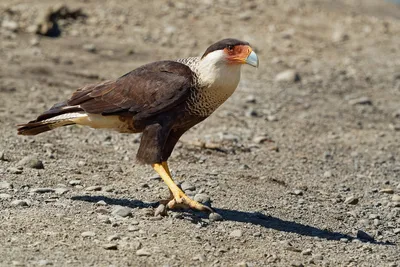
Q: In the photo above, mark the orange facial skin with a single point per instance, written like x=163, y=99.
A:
x=238, y=54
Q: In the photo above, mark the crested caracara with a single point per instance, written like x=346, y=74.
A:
x=162, y=100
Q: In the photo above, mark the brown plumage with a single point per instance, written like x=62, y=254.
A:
x=162, y=100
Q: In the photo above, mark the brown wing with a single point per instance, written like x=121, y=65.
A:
x=143, y=92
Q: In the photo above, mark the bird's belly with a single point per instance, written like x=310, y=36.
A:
x=117, y=123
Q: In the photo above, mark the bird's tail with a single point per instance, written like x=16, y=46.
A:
x=59, y=115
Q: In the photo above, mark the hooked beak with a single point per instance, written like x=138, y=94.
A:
x=252, y=59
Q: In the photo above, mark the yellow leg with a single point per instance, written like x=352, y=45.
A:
x=179, y=196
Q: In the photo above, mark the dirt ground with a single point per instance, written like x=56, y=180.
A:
x=304, y=166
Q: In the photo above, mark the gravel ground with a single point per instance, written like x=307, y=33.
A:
x=302, y=162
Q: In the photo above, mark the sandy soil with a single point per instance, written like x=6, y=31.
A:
x=304, y=173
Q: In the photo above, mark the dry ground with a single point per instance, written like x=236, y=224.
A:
x=304, y=173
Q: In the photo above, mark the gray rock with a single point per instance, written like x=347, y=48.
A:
x=20, y=203
x=396, y=231
x=202, y=198
x=113, y=237
x=93, y=188
x=236, y=233
x=88, y=234
x=61, y=190
x=252, y=99
x=101, y=203
x=361, y=101
x=288, y=76
x=306, y=252
x=42, y=190
x=364, y=236
x=187, y=186
x=339, y=36
x=386, y=191
x=161, y=210
x=44, y=262
x=143, y=252
x=31, y=162
x=213, y=217
x=110, y=246
x=5, y=196
x=242, y=264
x=2, y=156
x=14, y=170
x=298, y=192
x=10, y=25
x=133, y=228
x=351, y=200
x=328, y=174
x=74, y=182
x=90, y=48
x=122, y=211
x=396, y=198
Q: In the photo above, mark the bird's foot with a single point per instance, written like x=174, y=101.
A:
x=182, y=201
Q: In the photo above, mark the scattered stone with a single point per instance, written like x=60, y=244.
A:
x=298, y=192
x=242, y=264
x=396, y=231
x=288, y=76
x=213, y=217
x=364, y=236
x=9, y=25
x=122, y=211
x=74, y=182
x=236, y=233
x=297, y=264
x=396, y=198
x=351, y=200
x=88, y=234
x=93, y=188
x=18, y=263
x=386, y=191
x=44, y=262
x=318, y=257
x=90, y=48
x=361, y=101
x=61, y=190
x=161, y=210
x=110, y=246
x=202, y=198
x=113, y=237
x=42, y=190
x=2, y=156
x=31, y=162
x=306, y=252
x=143, y=252
x=101, y=203
x=14, y=170
x=20, y=203
x=252, y=99
x=199, y=257
x=272, y=118
x=339, y=36
x=5, y=196
x=262, y=139
x=133, y=228
x=328, y=174
x=186, y=186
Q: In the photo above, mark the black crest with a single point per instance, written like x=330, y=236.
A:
x=223, y=44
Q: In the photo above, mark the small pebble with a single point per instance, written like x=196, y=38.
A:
x=88, y=234
x=93, y=188
x=242, y=264
x=113, y=237
x=143, y=252
x=14, y=170
x=44, y=262
x=5, y=196
x=202, y=198
x=351, y=200
x=42, y=190
x=101, y=203
x=61, y=190
x=161, y=210
x=328, y=174
x=361, y=101
x=396, y=198
x=186, y=186
x=74, y=182
x=110, y=246
x=5, y=185
x=288, y=76
x=21, y=203
x=236, y=233
x=396, y=231
x=306, y=252
x=90, y=48
x=298, y=192
x=31, y=162
x=213, y=217
x=386, y=191
x=122, y=211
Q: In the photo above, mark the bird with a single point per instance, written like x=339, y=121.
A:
x=162, y=100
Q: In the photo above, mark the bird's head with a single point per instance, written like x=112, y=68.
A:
x=231, y=52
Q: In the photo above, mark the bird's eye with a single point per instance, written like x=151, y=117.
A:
x=230, y=47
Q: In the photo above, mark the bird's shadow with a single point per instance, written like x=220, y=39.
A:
x=255, y=218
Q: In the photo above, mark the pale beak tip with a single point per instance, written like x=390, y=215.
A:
x=252, y=59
